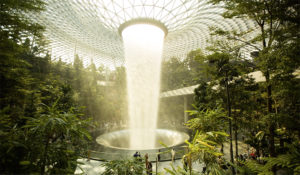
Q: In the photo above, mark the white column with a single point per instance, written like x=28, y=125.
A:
x=185, y=108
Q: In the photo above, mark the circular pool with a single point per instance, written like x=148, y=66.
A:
x=163, y=138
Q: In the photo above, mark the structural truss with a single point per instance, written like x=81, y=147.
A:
x=89, y=28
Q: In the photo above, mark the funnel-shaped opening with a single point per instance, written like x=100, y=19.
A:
x=121, y=139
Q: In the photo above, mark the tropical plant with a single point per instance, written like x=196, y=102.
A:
x=288, y=163
x=276, y=42
x=56, y=139
x=205, y=148
x=124, y=167
x=207, y=120
x=180, y=171
x=175, y=74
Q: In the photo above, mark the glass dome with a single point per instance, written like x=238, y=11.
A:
x=89, y=28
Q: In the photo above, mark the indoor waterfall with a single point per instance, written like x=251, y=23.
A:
x=143, y=46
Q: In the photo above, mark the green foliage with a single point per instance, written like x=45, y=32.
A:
x=288, y=162
x=207, y=120
x=209, y=126
x=223, y=67
x=124, y=167
x=114, y=102
x=260, y=135
x=178, y=73
x=266, y=112
x=277, y=44
x=57, y=139
x=195, y=62
x=49, y=138
x=14, y=23
x=174, y=75
x=205, y=145
x=206, y=96
x=179, y=171
x=204, y=148
x=36, y=138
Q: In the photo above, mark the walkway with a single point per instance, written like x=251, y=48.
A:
x=257, y=76
x=94, y=167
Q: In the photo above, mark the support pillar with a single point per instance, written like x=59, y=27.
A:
x=185, y=109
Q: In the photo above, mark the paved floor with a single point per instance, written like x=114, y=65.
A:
x=94, y=167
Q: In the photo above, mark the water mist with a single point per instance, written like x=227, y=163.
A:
x=143, y=45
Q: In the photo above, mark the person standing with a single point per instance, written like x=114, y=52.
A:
x=136, y=155
x=149, y=168
x=148, y=165
x=158, y=156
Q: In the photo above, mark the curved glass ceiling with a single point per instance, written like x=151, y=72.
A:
x=89, y=28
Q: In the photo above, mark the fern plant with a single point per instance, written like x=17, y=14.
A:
x=289, y=163
x=124, y=167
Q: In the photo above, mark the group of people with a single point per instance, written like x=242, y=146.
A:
x=148, y=163
x=254, y=155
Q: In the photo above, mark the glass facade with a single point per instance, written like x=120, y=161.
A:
x=89, y=28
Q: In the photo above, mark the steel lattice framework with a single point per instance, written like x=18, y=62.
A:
x=89, y=28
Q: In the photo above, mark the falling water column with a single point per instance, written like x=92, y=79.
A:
x=143, y=45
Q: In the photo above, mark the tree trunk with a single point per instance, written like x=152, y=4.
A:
x=271, y=128
x=236, y=138
x=272, y=125
x=230, y=123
